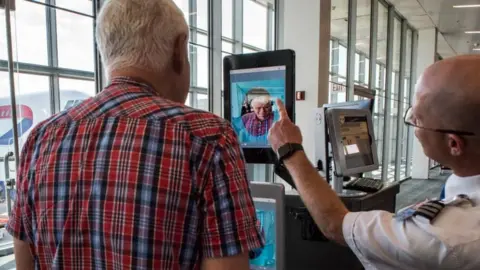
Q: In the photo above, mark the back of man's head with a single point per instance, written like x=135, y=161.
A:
x=138, y=33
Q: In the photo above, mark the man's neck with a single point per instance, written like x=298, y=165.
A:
x=467, y=168
x=158, y=85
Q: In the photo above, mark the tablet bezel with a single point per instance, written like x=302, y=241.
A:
x=258, y=60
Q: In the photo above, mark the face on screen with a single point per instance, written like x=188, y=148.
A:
x=253, y=95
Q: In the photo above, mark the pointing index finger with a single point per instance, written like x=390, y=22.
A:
x=282, y=111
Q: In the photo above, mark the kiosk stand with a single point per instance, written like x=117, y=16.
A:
x=251, y=83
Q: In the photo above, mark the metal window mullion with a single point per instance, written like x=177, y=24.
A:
x=388, y=93
x=335, y=54
x=373, y=44
x=400, y=97
x=192, y=8
x=361, y=67
x=413, y=78
x=237, y=26
x=13, y=102
x=52, y=48
x=351, y=48
x=270, y=26
x=99, y=72
x=215, y=56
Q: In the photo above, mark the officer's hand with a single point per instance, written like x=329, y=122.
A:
x=283, y=131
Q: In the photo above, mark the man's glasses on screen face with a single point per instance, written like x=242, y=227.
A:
x=410, y=120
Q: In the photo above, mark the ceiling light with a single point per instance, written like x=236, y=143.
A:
x=472, y=32
x=467, y=6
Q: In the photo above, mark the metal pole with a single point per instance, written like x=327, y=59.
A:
x=351, y=46
x=12, y=82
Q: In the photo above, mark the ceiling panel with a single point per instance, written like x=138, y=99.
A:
x=452, y=24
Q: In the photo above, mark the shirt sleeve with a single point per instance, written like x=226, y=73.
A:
x=381, y=242
x=20, y=215
x=230, y=223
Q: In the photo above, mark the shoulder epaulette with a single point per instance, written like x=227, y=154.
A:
x=429, y=210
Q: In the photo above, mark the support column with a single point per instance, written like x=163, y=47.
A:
x=308, y=35
x=425, y=57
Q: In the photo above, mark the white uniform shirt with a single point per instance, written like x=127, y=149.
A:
x=452, y=241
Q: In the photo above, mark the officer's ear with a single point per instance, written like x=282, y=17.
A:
x=456, y=145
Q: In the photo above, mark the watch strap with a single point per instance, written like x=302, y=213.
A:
x=287, y=150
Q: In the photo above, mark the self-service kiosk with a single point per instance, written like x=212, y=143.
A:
x=344, y=138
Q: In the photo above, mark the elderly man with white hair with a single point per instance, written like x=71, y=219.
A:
x=258, y=122
x=132, y=178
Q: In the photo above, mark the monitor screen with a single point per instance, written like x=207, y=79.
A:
x=253, y=108
x=355, y=141
x=265, y=258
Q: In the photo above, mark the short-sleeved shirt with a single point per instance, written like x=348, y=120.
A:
x=130, y=180
x=451, y=241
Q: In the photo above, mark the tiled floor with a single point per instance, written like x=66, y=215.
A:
x=414, y=190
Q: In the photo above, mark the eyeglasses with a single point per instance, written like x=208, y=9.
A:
x=409, y=119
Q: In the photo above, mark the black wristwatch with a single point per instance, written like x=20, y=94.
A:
x=287, y=150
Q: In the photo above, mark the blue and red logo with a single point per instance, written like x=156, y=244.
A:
x=24, y=123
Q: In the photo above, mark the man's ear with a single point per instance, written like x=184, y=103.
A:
x=180, y=51
x=456, y=145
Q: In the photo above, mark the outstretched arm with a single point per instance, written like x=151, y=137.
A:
x=324, y=205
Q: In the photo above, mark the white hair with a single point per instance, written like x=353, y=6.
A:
x=138, y=33
x=263, y=100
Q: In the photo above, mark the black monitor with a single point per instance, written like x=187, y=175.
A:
x=252, y=83
x=359, y=104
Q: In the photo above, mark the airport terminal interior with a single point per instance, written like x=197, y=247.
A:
x=372, y=50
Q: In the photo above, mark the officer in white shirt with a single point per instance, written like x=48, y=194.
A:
x=433, y=235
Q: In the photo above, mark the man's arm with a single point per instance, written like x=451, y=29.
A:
x=324, y=205
x=16, y=226
x=23, y=256
x=229, y=224
x=237, y=262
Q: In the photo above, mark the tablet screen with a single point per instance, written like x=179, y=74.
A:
x=253, y=108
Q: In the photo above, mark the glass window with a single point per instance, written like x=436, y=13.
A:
x=380, y=83
x=29, y=33
x=227, y=18
x=83, y=6
x=199, y=66
x=31, y=91
x=247, y=50
x=362, y=39
x=201, y=101
x=406, y=103
x=223, y=56
x=188, y=102
x=202, y=14
x=342, y=61
x=75, y=41
x=255, y=24
x=73, y=89
x=394, y=99
x=227, y=47
x=357, y=68
x=201, y=39
x=25, y=84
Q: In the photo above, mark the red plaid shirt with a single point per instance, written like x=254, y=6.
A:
x=130, y=180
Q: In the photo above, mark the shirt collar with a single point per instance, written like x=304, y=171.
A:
x=463, y=185
x=132, y=81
